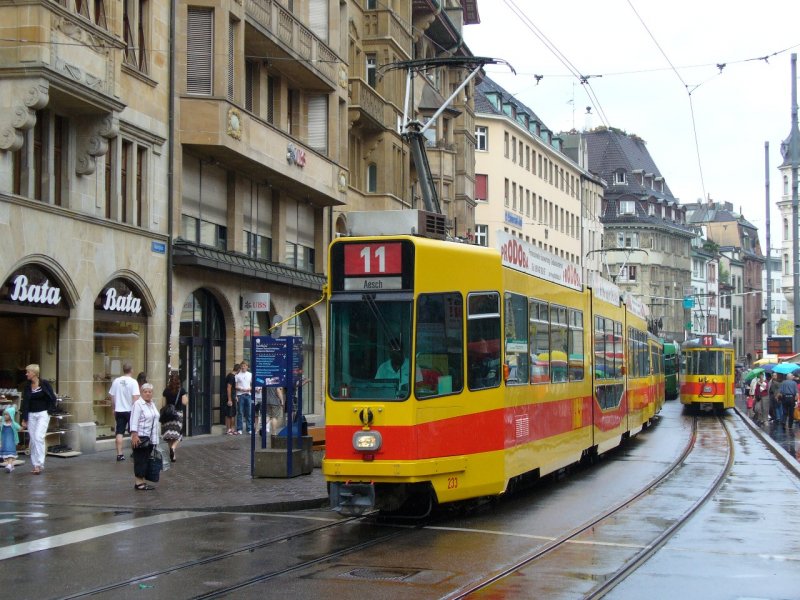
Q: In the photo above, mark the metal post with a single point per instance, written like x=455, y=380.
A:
x=769, y=253
x=795, y=248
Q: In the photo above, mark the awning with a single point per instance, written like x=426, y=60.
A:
x=194, y=255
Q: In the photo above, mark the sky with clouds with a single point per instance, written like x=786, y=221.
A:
x=705, y=83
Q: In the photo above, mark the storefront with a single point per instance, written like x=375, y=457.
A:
x=32, y=308
x=120, y=336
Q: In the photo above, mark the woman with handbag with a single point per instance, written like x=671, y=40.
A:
x=175, y=400
x=144, y=433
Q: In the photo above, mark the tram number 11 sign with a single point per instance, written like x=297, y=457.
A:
x=373, y=266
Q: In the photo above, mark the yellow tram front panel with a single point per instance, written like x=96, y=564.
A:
x=708, y=377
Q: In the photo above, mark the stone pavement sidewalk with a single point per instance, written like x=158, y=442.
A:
x=212, y=472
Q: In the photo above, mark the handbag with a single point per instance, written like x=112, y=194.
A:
x=750, y=402
x=155, y=464
x=168, y=413
x=796, y=412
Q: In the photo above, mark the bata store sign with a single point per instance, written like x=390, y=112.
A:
x=32, y=286
x=120, y=297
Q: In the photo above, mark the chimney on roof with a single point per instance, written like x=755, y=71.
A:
x=710, y=201
x=587, y=123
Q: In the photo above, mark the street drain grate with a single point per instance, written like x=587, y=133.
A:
x=378, y=574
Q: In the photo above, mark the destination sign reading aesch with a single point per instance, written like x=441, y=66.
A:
x=527, y=258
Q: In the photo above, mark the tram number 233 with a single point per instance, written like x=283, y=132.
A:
x=452, y=483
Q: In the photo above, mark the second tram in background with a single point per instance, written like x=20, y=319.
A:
x=672, y=366
x=456, y=371
x=708, y=375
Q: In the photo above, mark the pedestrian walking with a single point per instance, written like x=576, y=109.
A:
x=275, y=403
x=788, y=397
x=175, y=396
x=9, y=437
x=124, y=392
x=229, y=410
x=38, y=398
x=244, y=381
x=758, y=390
x=774, y=395
x=144, y=433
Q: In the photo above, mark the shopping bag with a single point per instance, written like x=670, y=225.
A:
x=155, y=463
x=750, y=402
x=797, y=412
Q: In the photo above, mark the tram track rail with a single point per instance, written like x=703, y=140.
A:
x=246, y=548
x=550, y=549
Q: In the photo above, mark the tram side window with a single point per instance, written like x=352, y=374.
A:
x=575, y=353
x=618, y=349
x=539, y=334
x=600, y=369
x=516, y=313
x=483, y=340
x=558, y=343
x=440, y=343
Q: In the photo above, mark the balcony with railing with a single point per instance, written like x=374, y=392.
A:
x=287, y=37
x=367, y=106
x=385, y=25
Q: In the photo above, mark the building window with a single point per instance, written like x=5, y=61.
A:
x=627, y=207
x=505, y=144
x=481, y=235
x=507, y=187
x=134, y=23
x=628, y=273
x=200, y=51
x=482, y=187
x=231, y=59
x=372, y=70
x=619, y=177
x=372, y=178
x=270, y=100
x=317, y=110
x=482, y=138
x=204, y=232
x=250, y=83
x=299, y=257
x=258, y=246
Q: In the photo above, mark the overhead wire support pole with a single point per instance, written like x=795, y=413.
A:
x=793, y=141
x=769, y=242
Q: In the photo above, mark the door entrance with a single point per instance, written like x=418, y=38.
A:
x=201, y=342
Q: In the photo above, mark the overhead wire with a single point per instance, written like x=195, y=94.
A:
x=686, y=87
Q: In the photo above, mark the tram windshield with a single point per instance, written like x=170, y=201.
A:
x=369, y=350
x=705, y=362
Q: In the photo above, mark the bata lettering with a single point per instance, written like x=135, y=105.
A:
x=122, y=303
x=42, y=294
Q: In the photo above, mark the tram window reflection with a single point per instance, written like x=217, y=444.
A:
x=483, y=341
x=439, y=344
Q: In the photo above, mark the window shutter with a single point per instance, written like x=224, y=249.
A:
x=318, y=123
x=318, y=18
x=270, y=100
x=480, y=187
x=231, y=58
x=251, y=72
x=199, y=51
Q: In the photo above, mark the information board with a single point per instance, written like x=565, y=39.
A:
x=779, y=344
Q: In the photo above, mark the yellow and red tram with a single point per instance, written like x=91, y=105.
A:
x=707, y=379
x=455, y=369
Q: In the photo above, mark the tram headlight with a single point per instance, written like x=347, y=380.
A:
x=367, y=441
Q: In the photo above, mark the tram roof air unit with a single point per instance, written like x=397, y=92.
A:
x=398, y=222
